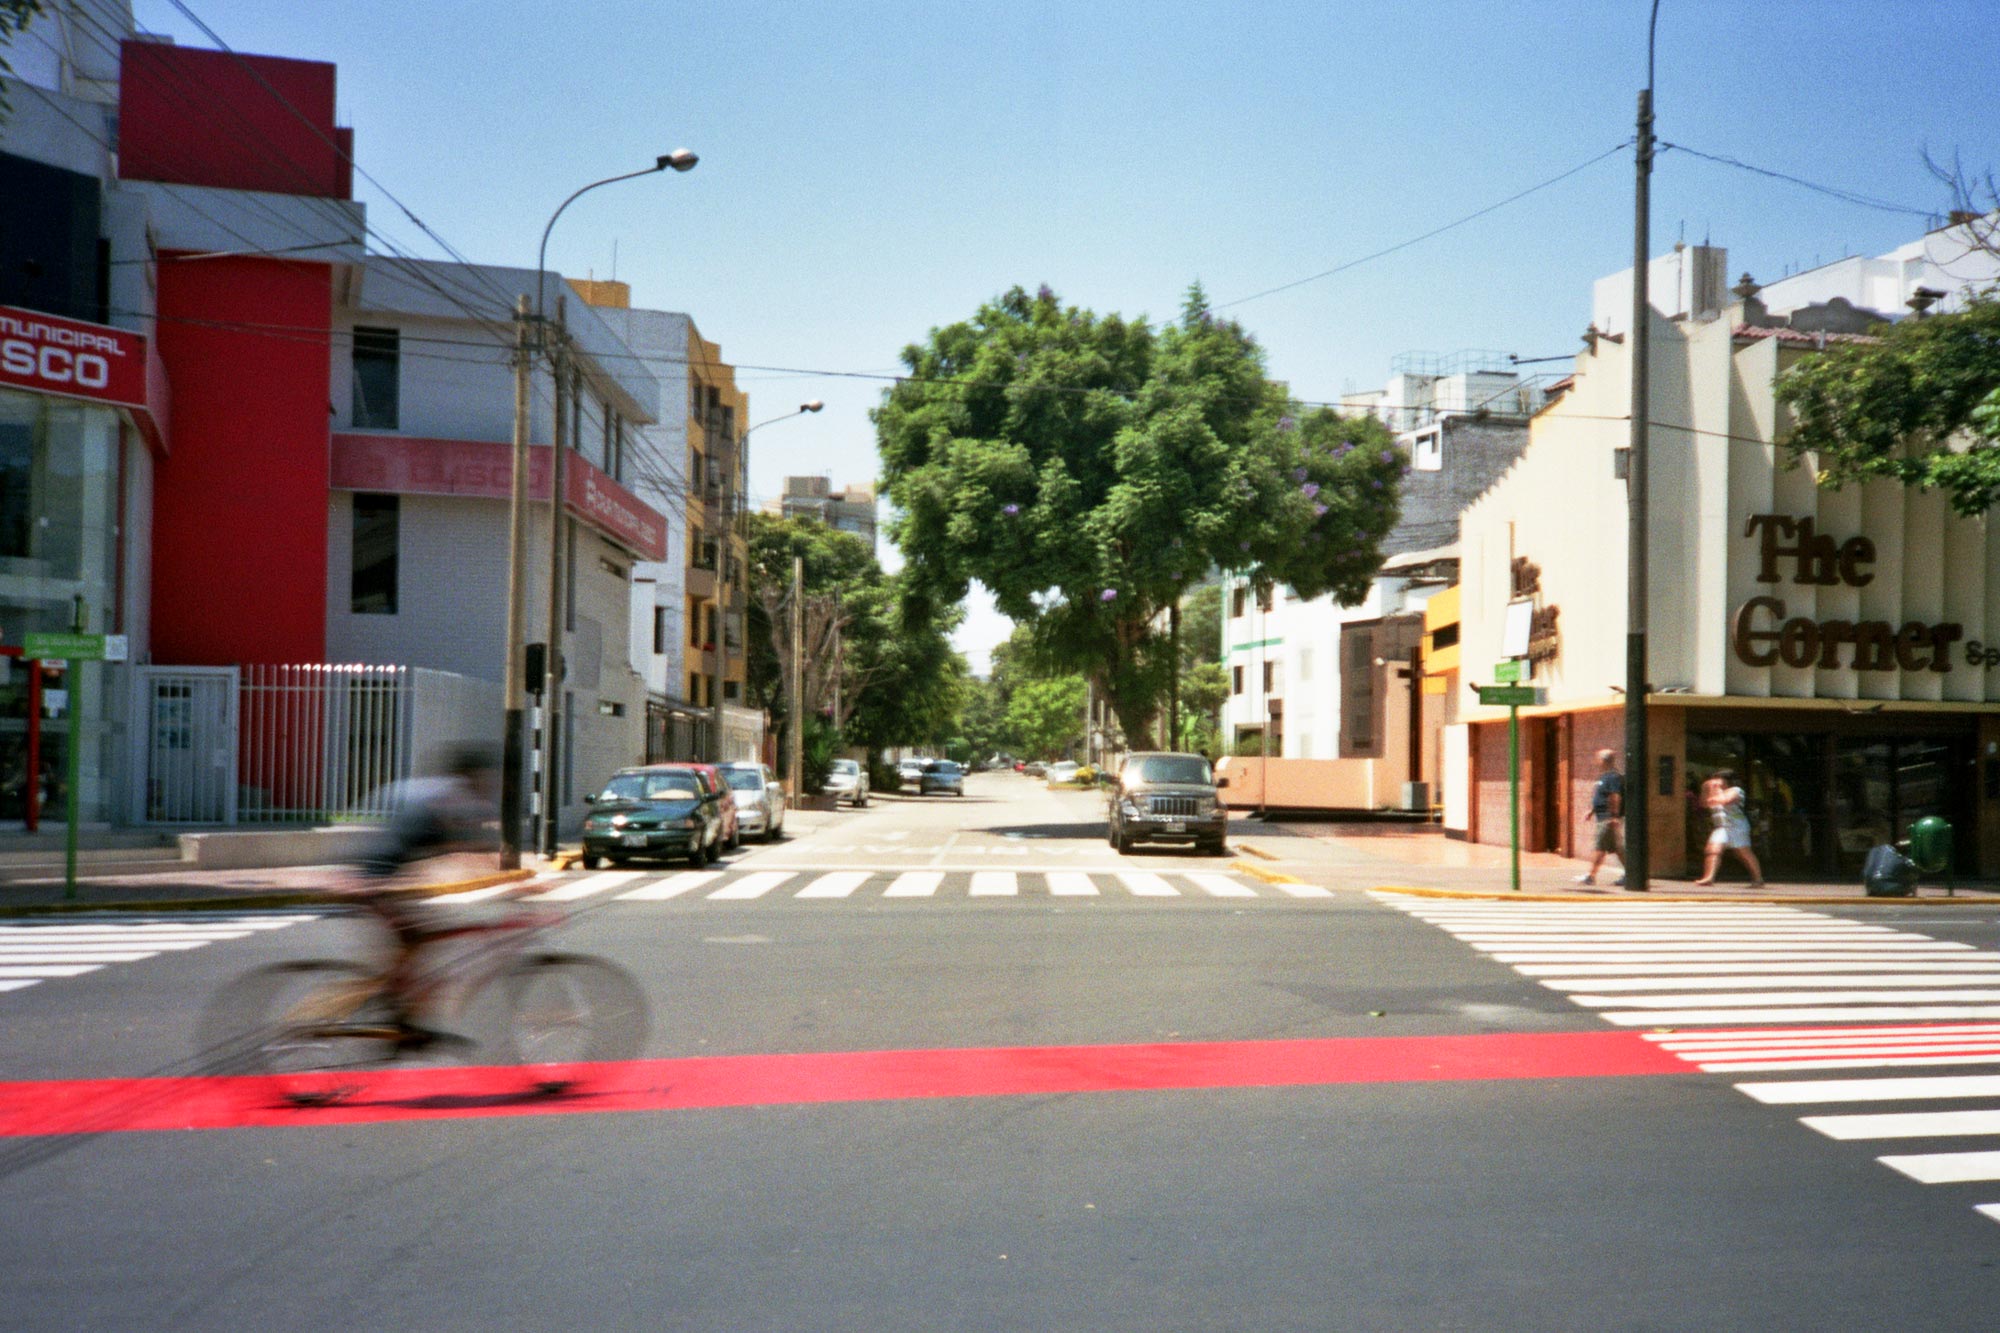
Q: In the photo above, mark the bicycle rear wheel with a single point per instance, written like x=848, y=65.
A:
x=310, y=1025
x=567, y=1012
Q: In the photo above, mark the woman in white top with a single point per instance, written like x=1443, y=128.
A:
x=1725, y=802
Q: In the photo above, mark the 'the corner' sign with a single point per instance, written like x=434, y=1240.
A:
x=49, y=354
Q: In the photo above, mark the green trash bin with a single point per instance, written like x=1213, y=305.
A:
x=1930, y=844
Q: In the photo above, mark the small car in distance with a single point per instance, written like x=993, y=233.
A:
x=941, y=775
x=760, y=801
x=848, y=781
x=1168, y=797
x=1032, y=769
x=654, y=812
x=911, y=771
x=1062, y=771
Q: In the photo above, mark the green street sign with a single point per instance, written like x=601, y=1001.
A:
x=1507, y=672
x=1516, y=696
x=74, y=647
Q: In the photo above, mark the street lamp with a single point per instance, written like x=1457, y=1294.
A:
x=738, y=465
x=511, y=786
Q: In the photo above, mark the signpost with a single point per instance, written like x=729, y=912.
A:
x=1512, y=697
x=1508, y=672
x=75, y=649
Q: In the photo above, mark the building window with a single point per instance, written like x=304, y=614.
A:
x=660, y=629
x=372, y=581
x=1236, y=599
x=1305, y=665
x=1236, y=680
x=1264, y=597
x=610, y=708
x=1427, y=450
x=1274, y=679
x=376, y=375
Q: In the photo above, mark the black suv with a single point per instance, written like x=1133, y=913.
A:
x=1166, y=797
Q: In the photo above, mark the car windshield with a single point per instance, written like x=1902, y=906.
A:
x=743, y=779
x=681, y=786
x=946, y=767
x=846, y=766
x=1168, y=768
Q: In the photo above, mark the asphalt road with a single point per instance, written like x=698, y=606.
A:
x=866, y=1111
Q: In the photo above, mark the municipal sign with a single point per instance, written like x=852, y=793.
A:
x=74, y=647
x=1516, y=696
x=1507, y=672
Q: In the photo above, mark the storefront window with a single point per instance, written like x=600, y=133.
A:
x=58, y=544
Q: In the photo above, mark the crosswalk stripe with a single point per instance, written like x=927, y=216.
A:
x=1220, y=886
x=1625, y=985
x=1692, y=950
x=1146, y=884
x=994, y=883
x=152, y=945
x=14, y=985
x=185, y=939
x=839, y=884
x=1829, y=1014
x=1773, y=998
x=1823, y=1090
x=751, y=886
x=672, y=886
x=1752, y=1037
x=50, y=970
x=1071, y=884
x=1946, y=1168
x=1830, y=967
x=589, y=885
x=175, y=926
x=1896, y=1061
x=915, y=884
x=1303, y=890
x=78, y=956
x=1906, y=1125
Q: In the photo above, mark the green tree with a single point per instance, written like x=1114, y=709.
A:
x=1088, y=470
x=879, y=665
x=1046, y=716
x=1920, y=406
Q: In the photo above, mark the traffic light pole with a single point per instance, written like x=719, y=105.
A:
x=513, y=756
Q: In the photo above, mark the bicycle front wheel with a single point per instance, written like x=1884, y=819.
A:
x=310, y=1025
x=566, y=1012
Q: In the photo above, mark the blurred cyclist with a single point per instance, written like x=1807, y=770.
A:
x=457, y=810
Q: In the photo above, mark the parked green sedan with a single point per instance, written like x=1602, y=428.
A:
x=658, y=812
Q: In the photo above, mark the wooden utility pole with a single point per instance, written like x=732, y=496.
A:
x=552, y=695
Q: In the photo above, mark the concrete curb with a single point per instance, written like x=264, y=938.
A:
x=1259, y=872
x=1818, y=900
x=244, y=901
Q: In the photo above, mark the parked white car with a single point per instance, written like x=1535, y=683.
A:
x=848, y=782
x=1062, y=772
x=760, y=801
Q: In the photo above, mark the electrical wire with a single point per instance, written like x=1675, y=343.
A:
x=1831, y=191
x=1435, y=231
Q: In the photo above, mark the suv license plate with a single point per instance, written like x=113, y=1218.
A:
x=1174, y=826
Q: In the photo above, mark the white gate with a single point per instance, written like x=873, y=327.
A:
x=185, y=745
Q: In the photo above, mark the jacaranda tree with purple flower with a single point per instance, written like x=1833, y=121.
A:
x=1089, y=469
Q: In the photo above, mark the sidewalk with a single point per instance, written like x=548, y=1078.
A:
x=1421, y=859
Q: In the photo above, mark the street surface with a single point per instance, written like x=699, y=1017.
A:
x=955, y=1064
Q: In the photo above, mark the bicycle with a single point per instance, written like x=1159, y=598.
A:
x=314, y=1024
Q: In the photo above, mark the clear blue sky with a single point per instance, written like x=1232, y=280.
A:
x=872, y=170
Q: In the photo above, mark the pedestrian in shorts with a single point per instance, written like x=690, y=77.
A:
x=1607, y=811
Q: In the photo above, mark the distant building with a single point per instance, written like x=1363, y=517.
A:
x=851, y=509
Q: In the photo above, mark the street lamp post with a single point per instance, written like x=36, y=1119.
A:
x=512, y=787
x=731, y=506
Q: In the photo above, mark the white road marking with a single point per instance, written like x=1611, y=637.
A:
x=1071, y=884
x=1820, y=1090
x=1845, y=1014
x=591, y=884
x=14, y=985
x=1906, y=1125
x=839, y=884
x=1946, y=1168
x=1627, y=984
x=994, y=883
x=1783, y=997
x=1303, y=890
x=50, y=970
x=915, y=884
x=1220, y=886
x=1958, y=967
x=673, y=886
x=752, y=886
x=1146, y=884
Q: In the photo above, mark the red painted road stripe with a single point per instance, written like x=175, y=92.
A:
x=92, y=1106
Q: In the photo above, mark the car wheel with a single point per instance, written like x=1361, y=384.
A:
x=698, y=855
x=1217, y=848
x=736, y=838
x=615, y=862
x=1123, y=844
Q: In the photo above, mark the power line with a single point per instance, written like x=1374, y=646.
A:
x=1832, y=191
x=1435, y=231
